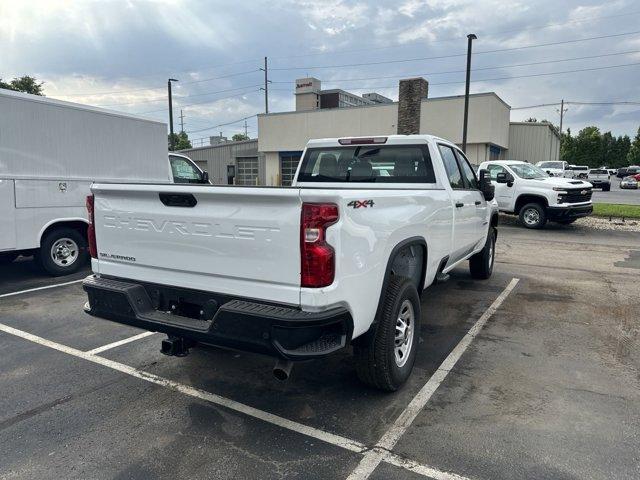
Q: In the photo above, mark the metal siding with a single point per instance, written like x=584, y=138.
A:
x=533, y=143
x=217, y=157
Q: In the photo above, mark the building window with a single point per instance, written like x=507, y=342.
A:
x=247, y=171
x=494, y=152
x=288, y=165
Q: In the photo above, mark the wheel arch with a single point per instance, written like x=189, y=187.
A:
x=76, y=223
x=525, y=198
x=407, y=243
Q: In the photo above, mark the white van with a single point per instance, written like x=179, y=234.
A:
x=51, y=152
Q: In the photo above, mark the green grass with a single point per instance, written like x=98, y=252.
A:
x=616, y=210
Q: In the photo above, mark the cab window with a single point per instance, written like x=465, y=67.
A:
x=494, y=170
x=451, y=166
x=467, y=172
x=184, y=171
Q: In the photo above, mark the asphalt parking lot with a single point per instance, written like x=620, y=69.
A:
x=549, y=388
x=616, y=194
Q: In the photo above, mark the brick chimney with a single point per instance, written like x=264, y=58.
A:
x=411, y=93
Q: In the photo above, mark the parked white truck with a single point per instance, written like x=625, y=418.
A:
x=338, y=258
x=50, y=153
x=525, y=190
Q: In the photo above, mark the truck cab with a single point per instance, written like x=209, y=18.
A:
x=527, y=191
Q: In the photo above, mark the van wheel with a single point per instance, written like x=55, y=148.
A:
x=481, y=264
x=62, y=252
x=532, y=215
x=385, y=355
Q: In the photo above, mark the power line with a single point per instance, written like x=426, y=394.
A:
x=505, y=78
x=179, y=97
x=223, y=124
x=568, y=102
x=497, y=67
x=450, y=39
x=198, y=103
x=481, y=52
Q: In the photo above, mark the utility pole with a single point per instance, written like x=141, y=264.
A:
x=181, y=121
x=171, y=139
x=471, y=37
x=562, y=111
x=245, y=129
x=266, y=85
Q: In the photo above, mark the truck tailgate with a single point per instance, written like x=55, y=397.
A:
x=231, y=240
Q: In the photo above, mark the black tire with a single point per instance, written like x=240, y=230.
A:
x=567, y=222
x=532, y=215
x=64, y=266
x=375, y=352
x=481, y=264
x=606, y=188
x=8, y=257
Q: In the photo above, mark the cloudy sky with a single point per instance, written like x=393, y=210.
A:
x=119, y=53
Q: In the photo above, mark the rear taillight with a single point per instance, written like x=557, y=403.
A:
x=316, y=255
x=91, y=230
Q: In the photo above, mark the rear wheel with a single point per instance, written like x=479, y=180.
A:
x=385, y=355
x=481, y=264
x=62, y=251
x=532, y=215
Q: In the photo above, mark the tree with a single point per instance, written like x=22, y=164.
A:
x=633, y=157
x=24, y=84
x=181, y=141
x=239, y=137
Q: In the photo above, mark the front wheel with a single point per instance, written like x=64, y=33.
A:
x=532, y=215
x=385, y=355
x=481, y=264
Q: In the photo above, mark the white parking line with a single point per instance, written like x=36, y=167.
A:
x=40, y=288
x=371, y=457
x=109, y=346
x=333, y=439
x=388, y=441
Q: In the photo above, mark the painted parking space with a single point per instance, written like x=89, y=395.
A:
x=536, y=383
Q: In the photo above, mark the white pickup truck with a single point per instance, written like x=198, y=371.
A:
x=527, y=191
x=337, y=259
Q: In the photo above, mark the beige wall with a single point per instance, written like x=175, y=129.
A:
x=488, y=123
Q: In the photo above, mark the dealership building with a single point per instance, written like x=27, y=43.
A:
x=274, y=157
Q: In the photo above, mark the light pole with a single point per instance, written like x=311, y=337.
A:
x=171, y=139
x=471, y=38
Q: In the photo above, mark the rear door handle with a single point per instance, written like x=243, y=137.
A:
x=459, y=205
x=478, y=202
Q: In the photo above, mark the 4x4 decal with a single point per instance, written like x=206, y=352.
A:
x=361, y=203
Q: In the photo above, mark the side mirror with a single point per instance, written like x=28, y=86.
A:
x=205, y=177
x=504, y=177
x=487, y=189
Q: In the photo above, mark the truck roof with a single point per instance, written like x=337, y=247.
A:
x=390, y=140
x=504, y=162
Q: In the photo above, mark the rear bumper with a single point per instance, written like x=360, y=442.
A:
x=215, y=319
x=569, y=212
x=599, y=183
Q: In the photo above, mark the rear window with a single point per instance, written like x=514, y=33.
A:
x=368, y=163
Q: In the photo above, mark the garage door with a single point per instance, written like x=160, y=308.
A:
x=247, y=171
